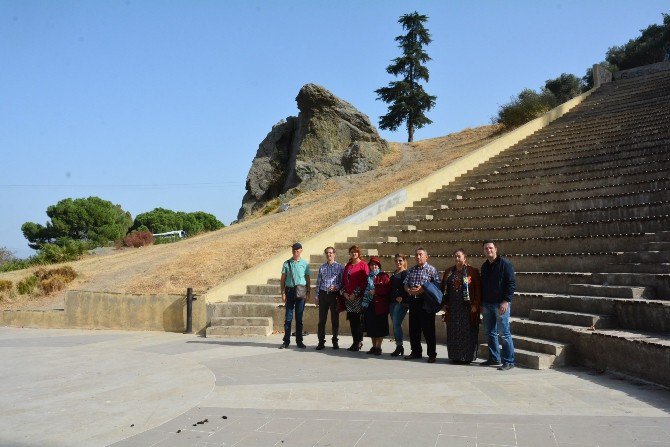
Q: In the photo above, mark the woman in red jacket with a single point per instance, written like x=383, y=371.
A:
x=376, y=305
x=354, y=282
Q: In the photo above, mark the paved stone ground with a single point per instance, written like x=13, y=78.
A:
x=140, y=389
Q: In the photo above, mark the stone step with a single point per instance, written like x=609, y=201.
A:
x=529, y=359
x=612, y=291
x=598, y=321
x=539, y=329
x=538, y=245
x=255, y=299
x=660, y=268
x=495, y=219
x=663, y=236
x=551, y=347
x=662, y=246
x=559, y=282
x=242, y=321
x=247, y=310
x=588, y=228
x=236, y=331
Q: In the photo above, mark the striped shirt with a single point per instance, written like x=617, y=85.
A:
x=329, y=275
x=418, y=275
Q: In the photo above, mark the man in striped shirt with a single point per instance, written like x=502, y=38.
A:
x=328, y=285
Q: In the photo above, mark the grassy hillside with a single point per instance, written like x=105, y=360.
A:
x=206, y=260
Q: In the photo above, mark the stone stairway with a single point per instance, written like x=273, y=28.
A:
x=581, y=208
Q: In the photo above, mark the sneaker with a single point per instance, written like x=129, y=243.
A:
x=431, y=359
x=301, y=345
x=320, y=346
x=490, y=363
x=413, y=355
x=506, y=367
x=283, y=346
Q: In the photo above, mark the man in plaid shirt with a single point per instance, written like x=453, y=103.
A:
x=419, y=319
x=328, y=285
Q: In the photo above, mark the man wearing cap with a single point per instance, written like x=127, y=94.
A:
x=328, y=285
x=294, y=291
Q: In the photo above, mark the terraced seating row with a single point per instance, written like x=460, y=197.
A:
x=581, y=208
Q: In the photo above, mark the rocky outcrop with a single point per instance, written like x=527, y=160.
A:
x=328, y=138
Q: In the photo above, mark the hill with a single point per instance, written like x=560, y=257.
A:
x=209, y=259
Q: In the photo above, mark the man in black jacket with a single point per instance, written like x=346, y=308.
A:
x=498, y=286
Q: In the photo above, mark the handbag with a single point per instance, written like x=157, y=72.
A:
x=300, y=290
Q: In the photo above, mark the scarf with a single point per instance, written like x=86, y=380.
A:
x=367, y=298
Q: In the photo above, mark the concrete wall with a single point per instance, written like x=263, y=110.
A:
x=95, y=310
x=388, y=206
x=46, y=319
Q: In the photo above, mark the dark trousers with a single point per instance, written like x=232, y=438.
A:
x=421, y=321
x=297, y=307
x=356, y=326
x=328, y=302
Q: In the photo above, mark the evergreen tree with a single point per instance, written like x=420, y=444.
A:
x=407, y=97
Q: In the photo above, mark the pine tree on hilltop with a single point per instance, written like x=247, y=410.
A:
x=407, y=97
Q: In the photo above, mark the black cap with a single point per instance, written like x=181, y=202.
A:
x=297, y=246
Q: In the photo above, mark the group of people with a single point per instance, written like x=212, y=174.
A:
x=369, y=295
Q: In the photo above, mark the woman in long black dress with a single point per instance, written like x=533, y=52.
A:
x=462, y=297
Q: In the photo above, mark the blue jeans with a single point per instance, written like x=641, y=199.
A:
x=297, y=306
x=397, y=312
x=494, y=325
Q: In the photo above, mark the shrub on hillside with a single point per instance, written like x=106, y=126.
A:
x=161, y=220
x=5, y=285
x=527, y=106
x=65, y=271
x=53, y=283
x=139, y=239
x=63, y=251
x=27, y=285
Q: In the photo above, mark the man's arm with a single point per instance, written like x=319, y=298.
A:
x=282, y=285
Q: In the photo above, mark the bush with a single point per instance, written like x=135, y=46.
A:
x=271, y=206
x=17, y=264
x=53, y=283
x=139, y=239
x=527, y=106
x=161, y=220
x=62, y=251
x=65, y=272
x=27, y=285
x=5, y=285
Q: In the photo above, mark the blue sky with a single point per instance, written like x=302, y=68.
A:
x=163, y=103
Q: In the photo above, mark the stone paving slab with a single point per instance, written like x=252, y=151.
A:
x=98, y=388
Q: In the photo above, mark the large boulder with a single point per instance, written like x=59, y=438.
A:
x=328, y=138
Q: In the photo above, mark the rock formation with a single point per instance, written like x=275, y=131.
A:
x=329, y=137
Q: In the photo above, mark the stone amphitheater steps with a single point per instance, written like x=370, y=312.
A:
x=236, y=326
x=581, y=208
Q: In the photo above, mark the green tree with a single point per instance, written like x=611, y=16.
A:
x=528, y=105
x=161, y=220
x=650, y=47
x=564, y=87
x=92, y=220
x=408, y=100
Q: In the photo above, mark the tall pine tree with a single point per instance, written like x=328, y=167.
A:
x=407, y=98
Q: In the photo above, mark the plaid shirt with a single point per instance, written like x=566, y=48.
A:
x=329, y=275
x=419, y=275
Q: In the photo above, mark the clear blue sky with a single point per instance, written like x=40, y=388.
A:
x=163, y=103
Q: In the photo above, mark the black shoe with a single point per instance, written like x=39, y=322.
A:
x=506, y=367
x=431, y=359
x=335, y=345
x=413, y=356
x=378, y=351
x=301, y=345
x=283, y=346
x=399, y=350
x=372, y=350
x=490, y=363
x=320, y=346
x=354, y=347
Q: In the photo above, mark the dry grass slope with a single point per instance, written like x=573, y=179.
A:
x=206, y=260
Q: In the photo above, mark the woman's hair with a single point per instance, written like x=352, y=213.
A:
x=355, y=248
x=403, y=257
x=462, y=251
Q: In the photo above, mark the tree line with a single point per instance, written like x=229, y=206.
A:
x=78, y=225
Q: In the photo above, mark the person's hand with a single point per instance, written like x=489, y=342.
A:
x=503, y=307
x=332, y=288
x=283, y=297
x=474, y=308
x=398, y=299
x=372, y=292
